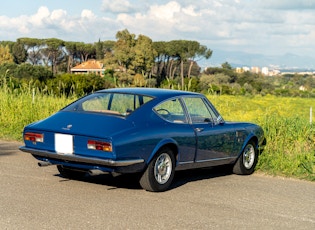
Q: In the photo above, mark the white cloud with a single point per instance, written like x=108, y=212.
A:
x=88, y=14
x=165, y=12
x=117, y=6
x=39, y=18
x=267, y=26
x=58, y=15
x=190, y=10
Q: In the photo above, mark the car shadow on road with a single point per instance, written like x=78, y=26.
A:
x=8, y=148
x=187, y=176
x=131, y=181
x=125, y=181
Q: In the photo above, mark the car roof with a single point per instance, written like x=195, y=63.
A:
x=153, y=92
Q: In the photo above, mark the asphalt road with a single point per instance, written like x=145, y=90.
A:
x=39, y=198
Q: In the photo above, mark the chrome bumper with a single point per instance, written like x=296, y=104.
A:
x=80, y=159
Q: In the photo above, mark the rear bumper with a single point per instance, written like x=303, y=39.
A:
x=80, y=159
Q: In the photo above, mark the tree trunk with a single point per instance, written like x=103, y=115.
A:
x=70, y=61
x=190, y=67
x=171, y=74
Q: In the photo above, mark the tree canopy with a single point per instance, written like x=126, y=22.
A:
x=130, y=53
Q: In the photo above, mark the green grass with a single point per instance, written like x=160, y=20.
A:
x=19, y=109
x=290, y=149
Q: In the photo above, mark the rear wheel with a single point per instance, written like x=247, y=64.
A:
x=160, y=172
x=70, y=173
x=247, y=161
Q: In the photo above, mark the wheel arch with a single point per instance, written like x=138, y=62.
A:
x=166, y=143
x=246, y=162
x=249, y=139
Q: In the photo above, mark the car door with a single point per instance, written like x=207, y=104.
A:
x=215, y=138
x=177, y=128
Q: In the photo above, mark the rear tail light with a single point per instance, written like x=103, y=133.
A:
x=34, y=137
x=99, y=145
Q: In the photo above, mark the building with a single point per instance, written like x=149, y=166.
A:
x=242, y=70
x=90, y=66
x=265, y=71
x=255, y=69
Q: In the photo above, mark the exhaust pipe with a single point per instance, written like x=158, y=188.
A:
x=44, y=163
x=96, y=172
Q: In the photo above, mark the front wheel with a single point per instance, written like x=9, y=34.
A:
x=160, y=172
x=247, y=161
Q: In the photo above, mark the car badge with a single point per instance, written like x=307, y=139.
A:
x=68, y=127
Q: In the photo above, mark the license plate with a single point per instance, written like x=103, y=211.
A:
x=63, y=143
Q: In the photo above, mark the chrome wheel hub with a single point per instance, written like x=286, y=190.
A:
x=249, y=156
x=163, y=168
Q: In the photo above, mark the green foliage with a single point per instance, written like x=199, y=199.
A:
x=19, y=53
x=99, y=52
x=18, y=77
x=123, y=48
x=5, y=55
x=25, y=72
x=191, y=84
x=54, y=52
x=286, y=122
x=227, y=81
x=290, y=149
x=18, y=109
x=144, y=55
x=78, y=84
x=226, y=65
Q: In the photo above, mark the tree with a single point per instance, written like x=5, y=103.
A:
x=5, y=55
x=108, y=46
x=144, y=55
x=226, y=65
x=124, y=51
x=85, y=51
x=161, y=59
x=71, y=48
x=33, y=47
x=54, y=52
x=109, y=57
x=99, y=50
x=184, y=51
x=19, y=52
x=198, y=51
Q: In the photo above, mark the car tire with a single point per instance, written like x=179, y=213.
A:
x=160, y=172
x=247, y=161
x=70, y=172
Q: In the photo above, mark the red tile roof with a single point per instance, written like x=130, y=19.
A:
x=88, y=66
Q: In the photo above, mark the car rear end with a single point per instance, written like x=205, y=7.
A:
x=79, y=140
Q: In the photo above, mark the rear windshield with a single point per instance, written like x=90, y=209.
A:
x=110, y=103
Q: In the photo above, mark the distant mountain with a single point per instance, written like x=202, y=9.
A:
x=286, y=61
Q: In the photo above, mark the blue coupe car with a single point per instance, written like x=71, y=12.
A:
x=153, y=132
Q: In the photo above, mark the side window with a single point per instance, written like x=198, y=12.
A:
x=198, y=110
x=171, y=110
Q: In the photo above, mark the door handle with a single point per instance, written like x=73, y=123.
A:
x=199, y=129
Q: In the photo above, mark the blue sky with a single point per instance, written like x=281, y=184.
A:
x=267, y=27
